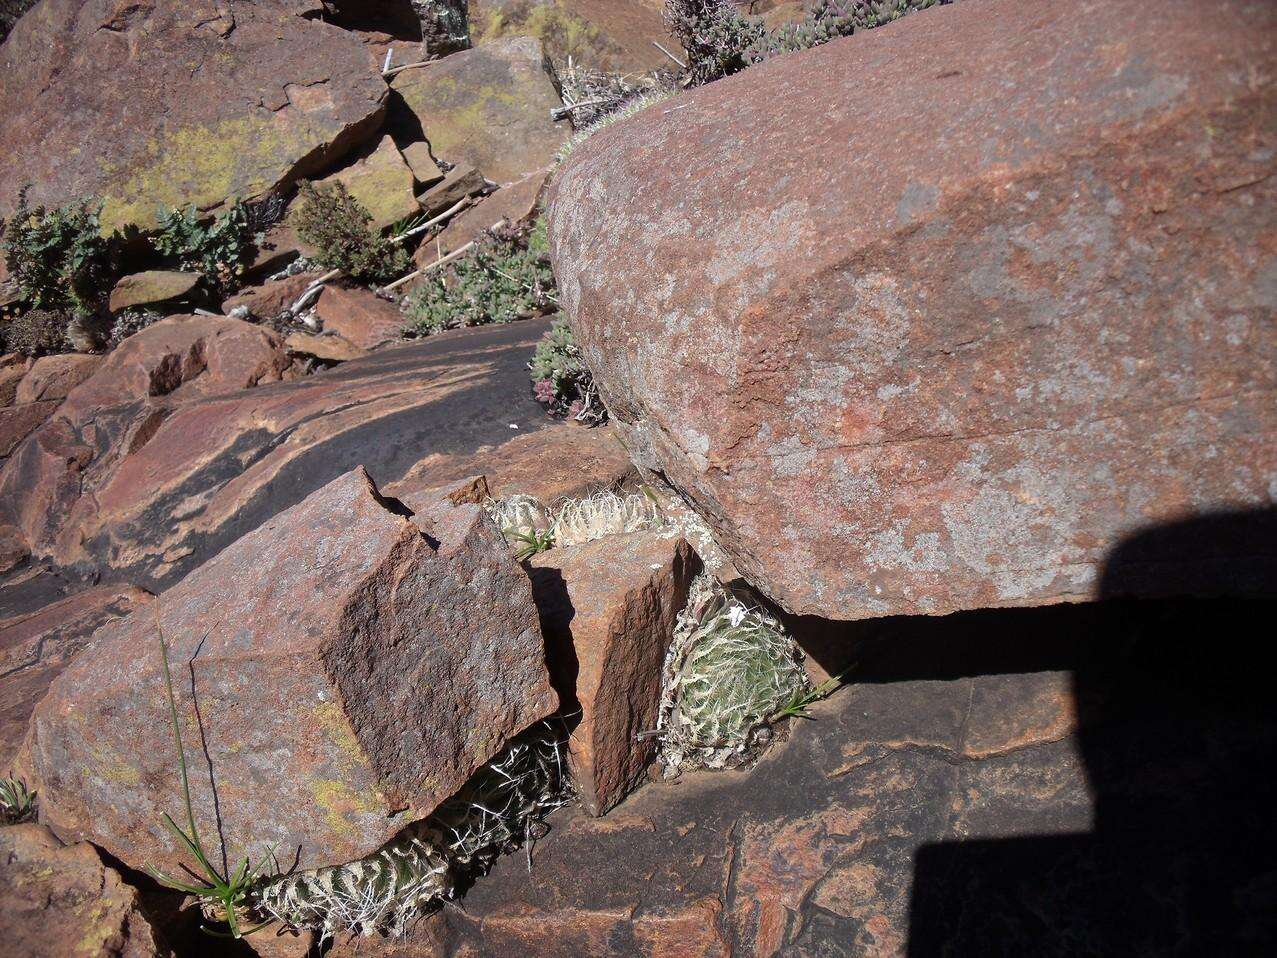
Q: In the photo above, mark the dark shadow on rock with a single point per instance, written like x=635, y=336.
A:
x=554, y=607
x=1177, y=733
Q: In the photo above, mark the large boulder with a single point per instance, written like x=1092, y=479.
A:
x=339, y=672
x=488, y=107
x=147, y=105
x=946, y=345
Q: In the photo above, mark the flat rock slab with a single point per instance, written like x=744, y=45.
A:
x=338, y=675
x=488, y=107
x=64, y=901
x=1115, y=800
x=948, y=346
x=151, y=286
x=608, y=611
x=558, y=460
x=183, y=103
x=359, y=315
x=514, y=204
x=37, y=646
x=52, y=377
x=175, y=479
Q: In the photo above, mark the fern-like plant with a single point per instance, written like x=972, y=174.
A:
x=219, y=249
x=57, y=256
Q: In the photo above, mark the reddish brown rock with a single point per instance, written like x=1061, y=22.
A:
x=424, y=168
x=64, y=901
x=359, y=315
x=18, y=422
x=608, y=611
x=333, y=349
x=1026, y=315
x=12, y=368
x=182, y=102
x=489, y=107
x=514, y=204
x=52, y=377
x=461, y=182
x=560, y=459
x=175, y=478
x=152, y=287
x=37, y=646
x=338, y=675
x=272, y=297
x=279, y=246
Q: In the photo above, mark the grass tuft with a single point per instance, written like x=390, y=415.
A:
x=223, y=896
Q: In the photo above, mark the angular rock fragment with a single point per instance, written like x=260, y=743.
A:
x=462, y=181
x=488, y=107
x=64, y=901
x=608, y=611
x=334, y=349
x=948, y=348
x=338, y=675
x=359, y=315
x=151, y=287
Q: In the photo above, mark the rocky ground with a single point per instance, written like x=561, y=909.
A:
x=947, y=345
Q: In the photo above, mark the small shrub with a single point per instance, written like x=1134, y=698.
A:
x=719, y=41
x=560, y=378
x=57, y=257
x=337, y=225
x=37, y=332
x=17, y=805
x=505, y=277
x=713, y=35
x=220, y=249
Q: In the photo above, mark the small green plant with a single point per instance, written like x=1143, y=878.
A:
x=17, y=804
x=505, y=277
x=57, y=257
x=560, y=378
x=799, y=706
x=730, y=673
x=220, y=249
x=222, y=896
x=528, y=544
x=338, y=226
